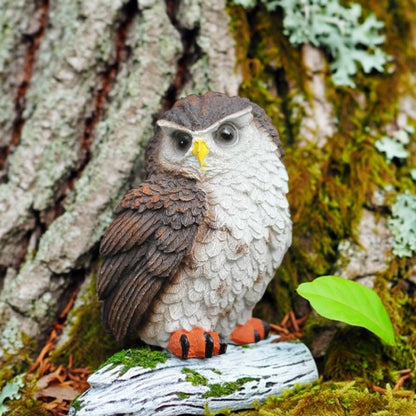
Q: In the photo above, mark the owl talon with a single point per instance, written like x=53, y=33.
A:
x=184, y=345
x=196, y=343
x=252, y=331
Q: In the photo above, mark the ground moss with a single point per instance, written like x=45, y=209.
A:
x=12, y=365
x=224, y=389
x=145, y=357
x=28, y=407
x=356, y=353
x=334, y=399
x=27, y=404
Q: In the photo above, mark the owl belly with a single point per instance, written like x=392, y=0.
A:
x=234, y=258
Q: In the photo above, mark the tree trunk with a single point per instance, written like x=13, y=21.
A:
x=82, y=82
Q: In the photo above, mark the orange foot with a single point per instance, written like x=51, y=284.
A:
x=196, y=343
x=253, y=330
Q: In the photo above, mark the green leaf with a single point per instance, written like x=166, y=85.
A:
x=349, y=302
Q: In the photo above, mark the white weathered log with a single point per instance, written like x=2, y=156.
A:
x=264, y=369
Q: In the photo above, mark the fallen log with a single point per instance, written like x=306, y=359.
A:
x=174, y=386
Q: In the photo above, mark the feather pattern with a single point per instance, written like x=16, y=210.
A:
x=245, y=233
x=153, y=232
x=192, y=245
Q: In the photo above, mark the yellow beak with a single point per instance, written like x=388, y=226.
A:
x=200, y=149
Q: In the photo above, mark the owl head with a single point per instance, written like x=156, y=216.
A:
x=201, y=136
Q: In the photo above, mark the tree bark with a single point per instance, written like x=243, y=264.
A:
x=84, y=92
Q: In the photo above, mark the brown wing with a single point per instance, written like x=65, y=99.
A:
x=153, y=231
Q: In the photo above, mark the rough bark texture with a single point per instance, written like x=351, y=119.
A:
x=100, y=72
x=81, y=84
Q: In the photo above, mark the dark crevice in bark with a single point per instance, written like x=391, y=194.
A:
x=282, y=87
x=191, y=53
x=21, y=250
x=65, y=303
x=3, y=271
x=106, y=82
x=29, y=240
x=75, y=280
x=33, y=42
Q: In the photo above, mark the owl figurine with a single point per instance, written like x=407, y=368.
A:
x=193, y=247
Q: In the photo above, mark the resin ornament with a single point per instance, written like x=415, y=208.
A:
x=193, y=248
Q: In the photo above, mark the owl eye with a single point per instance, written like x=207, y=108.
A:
x=182, y=140
x=226, y=134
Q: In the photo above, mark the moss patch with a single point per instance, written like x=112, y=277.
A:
x=224, y=389
x=76, y=404
x=183, y=396
x=334, y=399
x=194, y=377
x=137, y=357
x=215, y=389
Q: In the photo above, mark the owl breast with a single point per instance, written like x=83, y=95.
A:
x=237, y=250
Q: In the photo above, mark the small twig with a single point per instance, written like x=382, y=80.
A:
x=68, y=307
x=293, y=321
x=48, y=347
x=377, y=389
x=405, y=371
x=285, y=320
x=279, y=329
x=302, y=319
x=400, y=382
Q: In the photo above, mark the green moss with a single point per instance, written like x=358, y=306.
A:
x=194, y=377
x=183, y=396
x=215, y=389
x=145, y=357
x=224, y=389
x=356, y=353
x=76, y=404
x=400, y=303
x=335, y=399
x=329, y=186
x=214, y=370
x=28, y=407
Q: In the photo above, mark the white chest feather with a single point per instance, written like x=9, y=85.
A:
x=248, y=231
